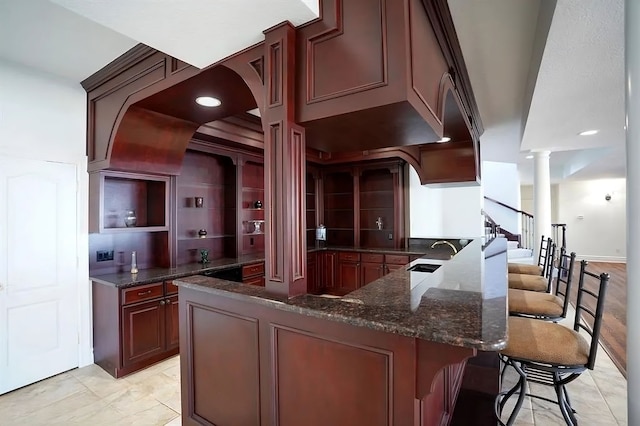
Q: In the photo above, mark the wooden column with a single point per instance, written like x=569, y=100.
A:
x=285, y=168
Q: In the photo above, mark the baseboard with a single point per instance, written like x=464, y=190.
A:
x=610, y=259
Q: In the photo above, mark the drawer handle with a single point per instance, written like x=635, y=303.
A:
x=144, y=293
x=162, y=302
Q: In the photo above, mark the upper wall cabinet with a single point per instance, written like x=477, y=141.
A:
x=372, y=74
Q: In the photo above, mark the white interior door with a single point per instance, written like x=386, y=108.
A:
x=38, y=271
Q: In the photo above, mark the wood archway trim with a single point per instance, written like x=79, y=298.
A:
x=154, y=125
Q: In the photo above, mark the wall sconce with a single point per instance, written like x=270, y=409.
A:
x=199, y=201
x=607, y=197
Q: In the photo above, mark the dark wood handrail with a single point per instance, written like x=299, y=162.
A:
x=508, y=206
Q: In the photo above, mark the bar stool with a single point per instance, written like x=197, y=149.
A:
x=552, y=354
x=543, y=261
x=549, y=307
x=535, y=282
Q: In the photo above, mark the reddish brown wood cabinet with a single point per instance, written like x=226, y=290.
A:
x=327, y=269
x=340, y=272
x=372, y=267
x=134, y=327
x=348, y=277
x=252, y=364
x=253, y=274
x=312, y=273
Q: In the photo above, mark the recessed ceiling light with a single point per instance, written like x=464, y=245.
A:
x=529, y=157
x=444, y=139
x=588, y=133
x=208, y=101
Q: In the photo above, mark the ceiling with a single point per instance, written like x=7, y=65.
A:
x=199, y=32
x=50, y=38
x=541, y=70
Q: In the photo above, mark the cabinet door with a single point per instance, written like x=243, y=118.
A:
x=371, y=271
x=143, y=331
x=328, y=272
x=312, y=274
x=348, y=277
x=171, y=322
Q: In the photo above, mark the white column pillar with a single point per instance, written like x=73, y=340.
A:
x=541, y=198
x=632, y=86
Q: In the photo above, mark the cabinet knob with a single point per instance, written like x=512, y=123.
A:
x=162, y=302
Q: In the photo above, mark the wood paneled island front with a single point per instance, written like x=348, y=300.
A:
x=390, y=353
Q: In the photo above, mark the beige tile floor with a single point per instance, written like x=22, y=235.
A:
x=89, y=396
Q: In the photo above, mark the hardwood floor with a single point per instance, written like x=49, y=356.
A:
x=614, y=325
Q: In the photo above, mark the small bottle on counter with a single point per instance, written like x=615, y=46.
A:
x=134, y=263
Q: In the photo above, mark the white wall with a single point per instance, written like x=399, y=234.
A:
x=42, y=117
x=596, y=228
x=526, y=201
x=501, y=182
x=444, y=212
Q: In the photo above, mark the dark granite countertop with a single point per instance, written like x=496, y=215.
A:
x=146, y=276
x=462, y=303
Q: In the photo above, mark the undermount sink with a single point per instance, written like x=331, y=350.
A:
x=424, y=267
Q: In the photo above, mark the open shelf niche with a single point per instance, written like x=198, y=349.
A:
x=213, y=178
x=252, y=226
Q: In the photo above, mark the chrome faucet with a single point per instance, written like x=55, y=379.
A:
x=437, y=243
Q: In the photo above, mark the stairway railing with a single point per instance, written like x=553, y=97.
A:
x=559, y=234
x=526, y=224
x=491, y=229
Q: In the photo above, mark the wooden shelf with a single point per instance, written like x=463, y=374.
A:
x=135, y=229
x=208, y=237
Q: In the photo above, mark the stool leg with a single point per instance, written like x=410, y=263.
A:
x=565, y=408
x=520, y=387
x=523, y=393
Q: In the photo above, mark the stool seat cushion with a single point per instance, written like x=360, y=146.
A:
x=534, y=303
x=528, y=282
x=545, y=342
x=520, y=268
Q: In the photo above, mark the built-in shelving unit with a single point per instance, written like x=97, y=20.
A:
x=311, y=210
x=112, y=195
x=377, y=216
x=363, y=205
x=339, y=207
x=211, y=177
x=252, y=226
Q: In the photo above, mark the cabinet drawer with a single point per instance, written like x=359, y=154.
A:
x=170, y=288
x=255, y=281
x=253, y=269
x=143, y=292
x=372, y=258
x=349, y=256
x=396, y=259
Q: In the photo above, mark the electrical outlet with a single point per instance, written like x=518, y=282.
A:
x=104, y=255
x=390, y=236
